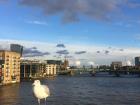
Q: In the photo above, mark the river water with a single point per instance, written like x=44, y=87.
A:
x=76, y=91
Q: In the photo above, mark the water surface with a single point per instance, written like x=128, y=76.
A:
x=77, y=91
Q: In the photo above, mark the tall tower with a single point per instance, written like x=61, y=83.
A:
x=16, y=48
x=66, y=64
x=137, y=61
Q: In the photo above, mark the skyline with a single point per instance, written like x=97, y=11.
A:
x=87, y=55
x=98, y=31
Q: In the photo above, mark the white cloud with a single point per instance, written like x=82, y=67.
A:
x=91, y=55
x=37, y=22
x=123, y=24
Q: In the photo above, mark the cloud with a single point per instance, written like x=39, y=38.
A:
x=62, y=52
x=5, y=47
x=91, y=55
x=34, y=47
x=60, y=45
x=121, y=49
x=107, y=52
x=68, y=56
x=109, y=47
x=37, y=22
x=110, y=50
x=70, y=9
x=103, y=52
x=98, y=52
x=80, y=52
x=91, y=63
x=33, y=52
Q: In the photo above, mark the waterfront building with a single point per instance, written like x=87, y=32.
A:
x=36, y=69
x=51, y=69
x=116, y=64
x=9, y=67
x=137, y=61
x=58, y=64
x=0, y=72
x=31, y=68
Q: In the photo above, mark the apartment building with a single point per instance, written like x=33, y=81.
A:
x=51, y=69
x=9, y=67
x=36, y=69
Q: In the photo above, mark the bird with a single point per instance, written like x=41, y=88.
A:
x=40, y=91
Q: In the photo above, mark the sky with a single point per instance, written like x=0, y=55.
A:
x=90, y=31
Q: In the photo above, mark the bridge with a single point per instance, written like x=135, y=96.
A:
x=94, y=72
x=74, y=71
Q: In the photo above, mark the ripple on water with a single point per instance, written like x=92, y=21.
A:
x=77, y=91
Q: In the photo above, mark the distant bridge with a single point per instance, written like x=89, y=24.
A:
x=75, y=71
x=94, y=72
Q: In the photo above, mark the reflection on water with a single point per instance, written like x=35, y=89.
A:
x=9, y=94
x=77, y=91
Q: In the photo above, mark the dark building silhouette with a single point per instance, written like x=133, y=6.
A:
x=16, y=48
x=116, y=65
x=57, y=62
x=137, y=61
x=1, y=72
x=65, y=64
